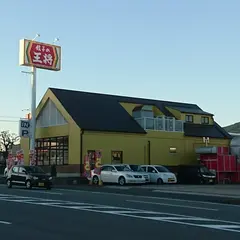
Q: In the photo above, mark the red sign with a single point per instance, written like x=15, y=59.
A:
x=40, y=55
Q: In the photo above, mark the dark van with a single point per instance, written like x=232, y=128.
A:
x=195, y=174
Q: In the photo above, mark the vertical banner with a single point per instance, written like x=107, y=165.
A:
x=20, y=157
x=32, y=158
x=98, y=161
x=92, y=158
x=10, y=161
x=87, y=170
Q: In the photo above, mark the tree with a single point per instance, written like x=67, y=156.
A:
x=7, y=140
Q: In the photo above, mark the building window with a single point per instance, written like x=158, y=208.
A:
x=189, y=118
x=52, y=151
x=205, y=120
x=117, y=157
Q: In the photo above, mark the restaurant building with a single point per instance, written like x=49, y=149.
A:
x=71, y=124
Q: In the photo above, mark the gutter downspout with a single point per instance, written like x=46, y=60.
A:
x=149, y=153
x=81, y=152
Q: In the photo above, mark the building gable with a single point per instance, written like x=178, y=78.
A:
x=50, y=116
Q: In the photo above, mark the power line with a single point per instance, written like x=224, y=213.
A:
x=9, y=117
x=8, y=120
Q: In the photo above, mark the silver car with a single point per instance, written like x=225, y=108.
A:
x=118, y=173
x=159, y=174
x=136, y=168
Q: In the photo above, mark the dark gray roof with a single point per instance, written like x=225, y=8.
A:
x=201, y=130
x=102, y=112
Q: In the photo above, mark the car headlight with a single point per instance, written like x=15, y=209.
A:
x=129, y=176
x=35, y=178
x=50, y=178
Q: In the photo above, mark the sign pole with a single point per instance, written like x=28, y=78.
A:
x=33, y=109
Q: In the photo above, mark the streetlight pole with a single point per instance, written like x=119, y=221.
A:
x=33, y=103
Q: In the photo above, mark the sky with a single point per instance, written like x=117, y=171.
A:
x=175, y=50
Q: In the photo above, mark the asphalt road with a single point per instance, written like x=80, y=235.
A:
x=74, y=214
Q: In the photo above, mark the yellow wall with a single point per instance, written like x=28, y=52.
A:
x=196, y=117
x=130, y=106
x=24, y=143
x=157, y=112
x=135, y=147
x=71, y=130
x=175, y=113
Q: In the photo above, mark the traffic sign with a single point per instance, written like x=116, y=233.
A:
x=25, y=128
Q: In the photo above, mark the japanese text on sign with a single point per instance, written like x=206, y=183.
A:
x=40, y=55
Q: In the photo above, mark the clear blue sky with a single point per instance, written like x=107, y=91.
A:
x=177, y=50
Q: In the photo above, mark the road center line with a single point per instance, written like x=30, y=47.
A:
x=149, y=197
x=51, y=193
x=196, y=193
x=173, y=205
x=4, y=222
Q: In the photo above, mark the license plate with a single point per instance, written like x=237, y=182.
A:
x=41, y=184
x=210, y=180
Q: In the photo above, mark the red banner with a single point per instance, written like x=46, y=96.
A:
x=32, y=158
x=20, y=157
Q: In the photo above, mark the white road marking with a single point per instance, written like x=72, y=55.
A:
x=51, y=193
x=134, y=213
x=38, y=191
x=197, y=193
x=4, y=222
x=149, y=197
x=173, y=205
x=118, y=187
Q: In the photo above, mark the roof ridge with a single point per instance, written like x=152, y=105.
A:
x=121, y=96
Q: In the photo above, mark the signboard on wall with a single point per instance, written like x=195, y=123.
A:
x=117, y=157
x=25, y=128
x=40, y=55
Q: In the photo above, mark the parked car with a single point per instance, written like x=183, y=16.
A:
x=136, y=168
x=159, y=174
x=29, y=176
x=5, y=172
x=195, y=174
x=118, y=173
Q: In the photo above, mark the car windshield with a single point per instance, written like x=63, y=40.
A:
x=161, y=169
x=123, y=168
x=134, y=168
x=34, y=169
x=204, y=170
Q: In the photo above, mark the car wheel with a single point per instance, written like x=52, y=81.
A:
x=9, y=183
x=49, y=188
x=121, y=181
x=28, y=184
x=95, y=180
x=159, y=181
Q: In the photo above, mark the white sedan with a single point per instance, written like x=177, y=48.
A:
x=118, y=173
